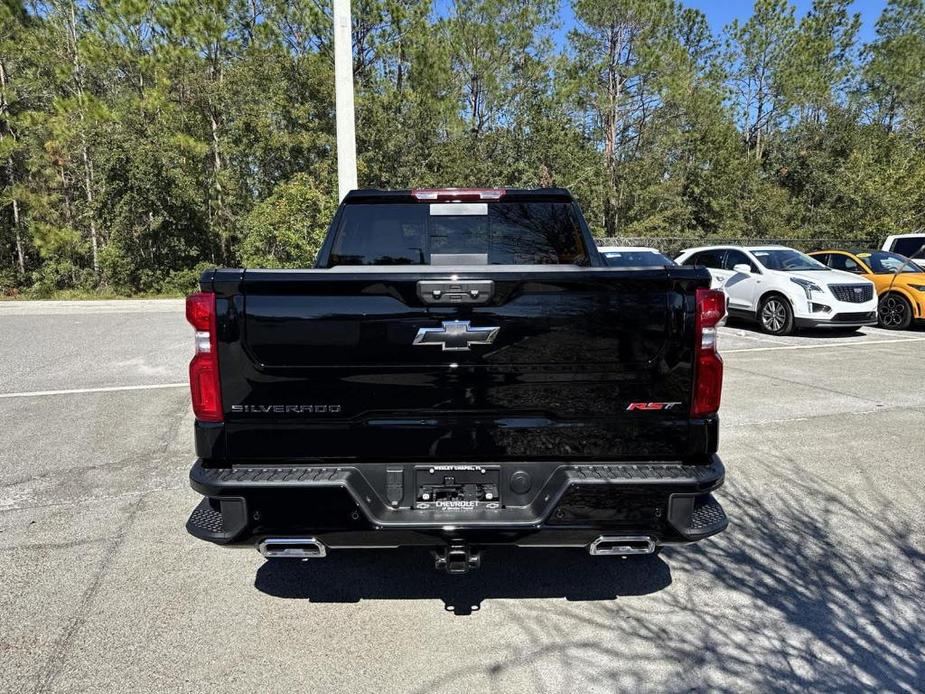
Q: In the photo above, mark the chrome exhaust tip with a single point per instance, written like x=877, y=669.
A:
x=292, y=548
x=621, y=545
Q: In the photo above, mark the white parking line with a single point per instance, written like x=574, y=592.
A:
x=78, y=391
x=741, y=333
x=826, y=344
x=159, y=386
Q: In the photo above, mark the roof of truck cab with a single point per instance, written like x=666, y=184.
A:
x=376, y=195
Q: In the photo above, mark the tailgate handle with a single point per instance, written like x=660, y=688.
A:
x=439, y=292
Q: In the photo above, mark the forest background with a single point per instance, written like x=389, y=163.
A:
x=143, y=140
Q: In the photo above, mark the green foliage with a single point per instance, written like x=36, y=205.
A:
x=58, y=273
x=287, y=229
x=143, y=140
x=894, y=69
x=185, y=281
x=9, y=281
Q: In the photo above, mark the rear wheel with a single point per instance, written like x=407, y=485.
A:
x=775, y=315
x=894, y=312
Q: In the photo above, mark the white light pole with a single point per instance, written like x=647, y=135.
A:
x=343, y=97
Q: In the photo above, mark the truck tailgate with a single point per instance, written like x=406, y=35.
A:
x=548, y=362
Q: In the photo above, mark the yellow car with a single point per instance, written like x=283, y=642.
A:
x=899, y=281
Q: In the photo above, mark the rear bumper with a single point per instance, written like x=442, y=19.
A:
x=371, y=505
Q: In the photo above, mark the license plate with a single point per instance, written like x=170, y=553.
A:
x=456, y=487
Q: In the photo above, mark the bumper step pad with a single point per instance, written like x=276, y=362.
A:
x=218, y=525
x=708, y=514
x=207, y=519
x=696, y=517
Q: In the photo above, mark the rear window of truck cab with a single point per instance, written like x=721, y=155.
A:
x=911, y=247
x=496, y=233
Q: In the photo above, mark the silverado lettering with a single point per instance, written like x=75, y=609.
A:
x=286, y=409
x=569, y=404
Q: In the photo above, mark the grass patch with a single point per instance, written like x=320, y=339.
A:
x=83, y=295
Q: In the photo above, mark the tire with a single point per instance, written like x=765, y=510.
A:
x=775, y=315
x=894, y=312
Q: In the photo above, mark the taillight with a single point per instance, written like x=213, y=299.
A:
x=428, y=194
x=203, y=369
x=708, y=365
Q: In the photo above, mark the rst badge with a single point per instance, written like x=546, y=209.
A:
x=651, y=406
x=456, y=336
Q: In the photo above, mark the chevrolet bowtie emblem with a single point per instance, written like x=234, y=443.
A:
x=456, y=336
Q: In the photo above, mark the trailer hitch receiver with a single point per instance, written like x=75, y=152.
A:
x=456, y=558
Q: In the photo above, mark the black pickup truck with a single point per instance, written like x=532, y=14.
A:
x=459, y=370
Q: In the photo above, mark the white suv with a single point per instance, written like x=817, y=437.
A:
x=784, y=289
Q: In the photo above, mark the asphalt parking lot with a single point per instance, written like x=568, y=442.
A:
x=819, y=583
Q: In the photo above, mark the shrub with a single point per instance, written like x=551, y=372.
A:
x=286, y=230
x=9, y=281
x=184, y=281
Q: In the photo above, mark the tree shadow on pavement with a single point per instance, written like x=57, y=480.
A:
x=813, y=587
x=512, y=573
x=808, y=590
x=833, y=587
